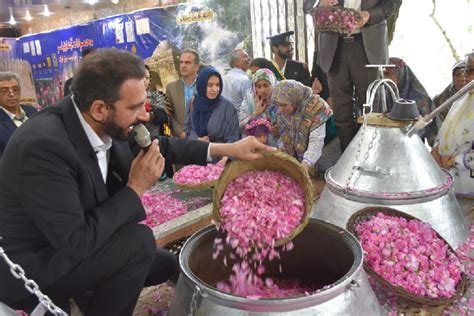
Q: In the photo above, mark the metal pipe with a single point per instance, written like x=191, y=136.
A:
x=422, y=122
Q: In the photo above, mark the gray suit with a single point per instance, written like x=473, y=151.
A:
x=175, y=94
x=344, y=62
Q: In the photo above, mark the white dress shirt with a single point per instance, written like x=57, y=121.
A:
x=100, y=145
x=235, y=85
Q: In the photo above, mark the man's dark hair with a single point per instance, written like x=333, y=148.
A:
x=101, y=75
x=197, y=60
x=87, y=51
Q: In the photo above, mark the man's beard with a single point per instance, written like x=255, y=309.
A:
x=113, y=130
x=285, y=55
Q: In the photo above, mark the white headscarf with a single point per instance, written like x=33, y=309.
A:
x=458, y=127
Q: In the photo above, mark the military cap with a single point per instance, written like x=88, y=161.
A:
x=282, y=38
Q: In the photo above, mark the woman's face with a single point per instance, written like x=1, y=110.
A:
x=458, y=78
x=263, y=89
x=253, y=69
x=213, y=87
x=146, y=80
x=285, y=108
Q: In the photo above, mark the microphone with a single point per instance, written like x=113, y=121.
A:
x=141, y=136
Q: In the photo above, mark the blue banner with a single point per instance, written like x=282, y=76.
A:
x=156, y=35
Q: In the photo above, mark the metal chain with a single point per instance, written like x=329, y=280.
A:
x=359, y=146
x=193, y=309
x=31, y=285
x=369, y=98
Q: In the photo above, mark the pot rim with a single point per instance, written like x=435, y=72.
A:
x=343, y=284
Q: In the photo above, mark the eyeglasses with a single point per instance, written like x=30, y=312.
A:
x=14, y=90
x=468, y=71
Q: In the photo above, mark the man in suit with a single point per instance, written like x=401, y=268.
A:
x=12, y=113
x=344, y=59
x=282, y=48
x=181, y=91
x=70, y=192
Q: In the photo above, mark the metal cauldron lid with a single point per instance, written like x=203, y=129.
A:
x=388, y=165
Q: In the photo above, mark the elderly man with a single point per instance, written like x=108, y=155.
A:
x=70, y=192
x=236, y=82
x=181, y=91
x=12, y=113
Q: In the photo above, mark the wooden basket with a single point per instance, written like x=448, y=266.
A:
x=364, y=215
x=273, y=161
x=337, y=25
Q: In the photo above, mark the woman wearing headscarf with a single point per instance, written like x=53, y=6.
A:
x=410, y=88
x=301, y=118
x=457, y=83
x=211, y=117
x=257, y=100
x=454, y=148
x=257, y=103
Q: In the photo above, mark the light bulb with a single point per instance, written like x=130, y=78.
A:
x=28, y=16
x=46, y=11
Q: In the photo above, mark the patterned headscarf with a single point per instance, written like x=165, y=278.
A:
x=310, y=112
x=248, y=103
x=264, y=74
x=202, y=105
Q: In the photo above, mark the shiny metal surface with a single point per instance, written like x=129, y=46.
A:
x=399, y=172
x=395, y=164
x=322, y=252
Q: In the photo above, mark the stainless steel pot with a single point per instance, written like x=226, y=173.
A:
x=323, y=254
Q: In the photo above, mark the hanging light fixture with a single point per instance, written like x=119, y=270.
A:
x=12, y=18
x=92, y=2
x=46, y=11
x=28, y=16
x=114, y=1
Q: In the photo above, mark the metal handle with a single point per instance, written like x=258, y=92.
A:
x=422, y=122
x=376, y=170
x=354, y=285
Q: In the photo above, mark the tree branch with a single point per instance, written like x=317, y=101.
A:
x=445, y=35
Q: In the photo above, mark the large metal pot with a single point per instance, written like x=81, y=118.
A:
x=323, y=253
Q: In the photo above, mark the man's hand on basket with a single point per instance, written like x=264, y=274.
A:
x=248, y=148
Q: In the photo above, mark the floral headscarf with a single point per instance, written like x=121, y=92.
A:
x=311, y=111
x=264, y=74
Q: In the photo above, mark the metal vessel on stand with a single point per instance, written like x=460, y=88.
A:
x=386, y=165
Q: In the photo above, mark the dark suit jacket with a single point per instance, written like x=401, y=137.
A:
x=298, y=71
x=374, y=34
x=55, y=210
x=7, y=126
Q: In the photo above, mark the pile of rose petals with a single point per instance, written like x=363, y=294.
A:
x=194, y=174
x=408, y=253
x=161, y=207
x=257, y=209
